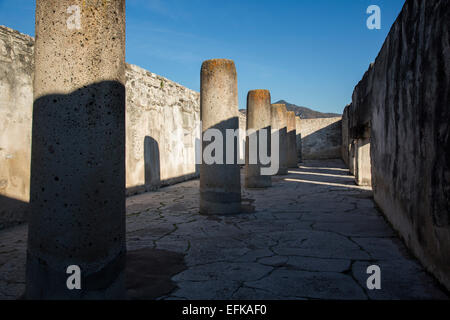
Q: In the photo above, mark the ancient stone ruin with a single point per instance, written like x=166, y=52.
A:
x=396, y=133
x=258, y=120
x=220, y=183
x=150, y=189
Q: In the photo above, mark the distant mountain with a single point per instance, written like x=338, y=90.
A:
x=306, y=113
x=303, y=112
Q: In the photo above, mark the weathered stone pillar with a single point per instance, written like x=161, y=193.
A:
x=78, y=151
x=220, y=185
x=258, y=120
x=291, y=138
x=298, y=126
x=279, y=126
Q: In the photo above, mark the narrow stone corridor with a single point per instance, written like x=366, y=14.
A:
x=312, y=235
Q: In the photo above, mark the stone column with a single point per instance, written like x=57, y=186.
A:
x=258, y=120
x=291, y=138
x=298, y=126
x=220, y=185
x=78, y=151
x=279, y=126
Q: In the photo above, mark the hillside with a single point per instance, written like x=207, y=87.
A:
x=307, y=113
x=303, y=112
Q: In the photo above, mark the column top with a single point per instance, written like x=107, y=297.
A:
x=214, y=64
x=259, y=94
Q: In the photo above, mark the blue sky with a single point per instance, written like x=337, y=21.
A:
x=308, y=52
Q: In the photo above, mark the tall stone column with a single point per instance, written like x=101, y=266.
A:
x=298, y=126
x=258, y=120
x=279, y=126
x=220, y=184
x=78, y=152
x=291, y=138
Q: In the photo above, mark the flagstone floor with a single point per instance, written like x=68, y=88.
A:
x=312, y=235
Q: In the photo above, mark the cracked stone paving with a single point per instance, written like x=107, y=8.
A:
x=312, y=235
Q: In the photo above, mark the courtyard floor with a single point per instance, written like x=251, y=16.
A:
x=310, y=236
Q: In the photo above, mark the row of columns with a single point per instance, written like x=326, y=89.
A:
x=220, y=187
x=77, y=195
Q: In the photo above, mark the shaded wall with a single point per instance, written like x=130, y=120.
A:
x=321, y=138
x=345, y=148
x=404, y=100
x=298, y=126
x=359, y=116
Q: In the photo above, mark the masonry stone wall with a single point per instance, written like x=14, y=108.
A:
x=358, y=120
x=16, y=104
x=403, y=106
x=321, y=138
x=345, y=148
x=162, y=133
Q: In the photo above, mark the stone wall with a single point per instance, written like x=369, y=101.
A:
x=362, y=162
x=345, y=148
x=358, y=121
x=161, y=132
x=16, y=104
x=403, y=106
x=321, y=138
x=298, y=130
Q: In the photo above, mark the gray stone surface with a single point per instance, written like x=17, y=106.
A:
x=162, y=128
x=16, y=107
x=304, y=240
x=77, y=193
x=402, y=105
x=283, y=283
x=321, y=138
x=279, y=128
x=345, y=148
x=220, y=185
x=363, y=168
x=292, y=140
x=298, y=132
x=258, y=124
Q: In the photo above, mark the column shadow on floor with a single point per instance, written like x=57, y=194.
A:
x=149, y=273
